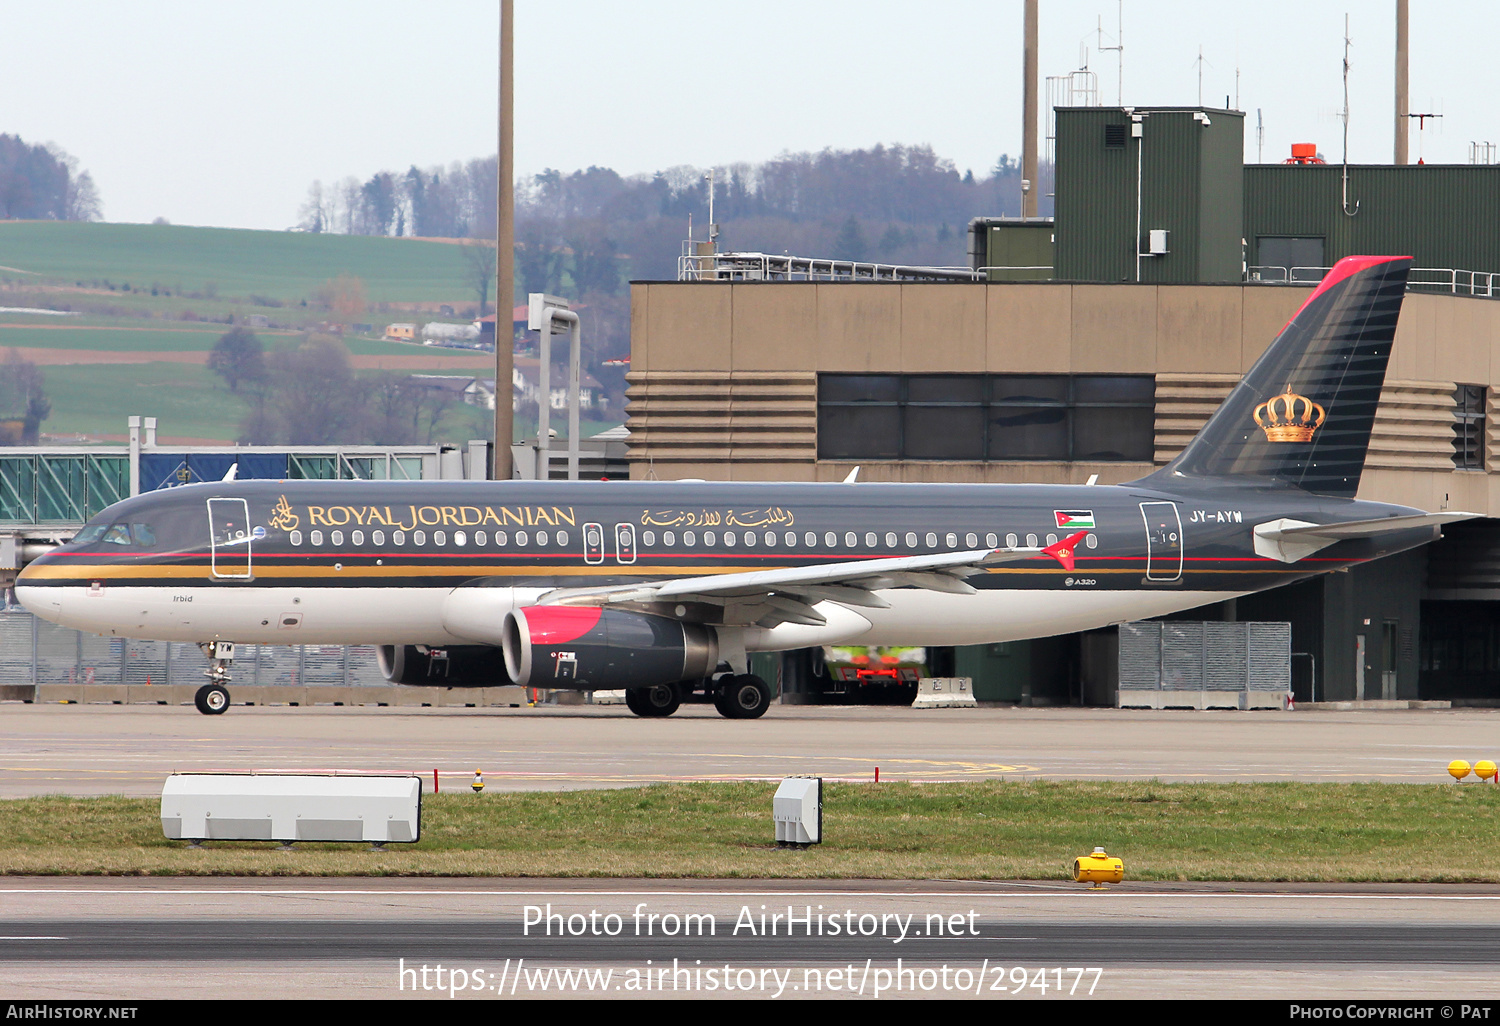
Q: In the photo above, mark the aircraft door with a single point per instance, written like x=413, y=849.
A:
x=229, y=538
x=625, y=543
x=1163, y=541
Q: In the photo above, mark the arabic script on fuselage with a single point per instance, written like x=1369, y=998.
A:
x=771, y=516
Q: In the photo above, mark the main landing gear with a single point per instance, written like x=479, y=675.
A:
x=740, y=696
x=213, y=698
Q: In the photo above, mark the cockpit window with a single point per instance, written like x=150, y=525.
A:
x=117, y=534
x=143, y=535
x=91, y=533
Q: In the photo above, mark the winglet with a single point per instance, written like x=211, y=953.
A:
x=853, y=476
x=1063, y=551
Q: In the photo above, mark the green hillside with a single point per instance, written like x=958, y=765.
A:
x=228, y=263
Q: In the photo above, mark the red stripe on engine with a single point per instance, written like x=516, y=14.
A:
x=558, y=625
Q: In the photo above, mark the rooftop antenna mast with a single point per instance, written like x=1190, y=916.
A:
x=1118, y=49
x=713, y=226
x=1347, y=210
x=1260, y=138
x=1200, y=62
x=1422, y=134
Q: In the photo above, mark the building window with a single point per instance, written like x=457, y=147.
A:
x=987, y=417
x=1468, y=427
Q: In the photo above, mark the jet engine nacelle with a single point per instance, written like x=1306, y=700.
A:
x=589, y=648
x=459, y=666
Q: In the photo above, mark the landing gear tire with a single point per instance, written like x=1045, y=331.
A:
x=743, y=697
x=212, y=699
x=658, y=700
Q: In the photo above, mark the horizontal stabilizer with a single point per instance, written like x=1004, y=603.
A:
x=1289, y=540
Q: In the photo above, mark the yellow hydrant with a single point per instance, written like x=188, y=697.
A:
x=1098, y=869
x=478, y=784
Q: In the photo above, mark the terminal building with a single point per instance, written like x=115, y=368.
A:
x=1093, y=347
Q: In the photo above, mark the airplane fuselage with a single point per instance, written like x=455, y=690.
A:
x=441, y=563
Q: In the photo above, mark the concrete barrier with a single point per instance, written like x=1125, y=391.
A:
x=945, y=693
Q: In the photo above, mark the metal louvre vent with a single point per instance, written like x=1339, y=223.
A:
x=1224, y=655
x=1270, y=656
x=1140, y=655
x=1182, y=656
x=1194, y=660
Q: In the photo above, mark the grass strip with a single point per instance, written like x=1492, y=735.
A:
x=979, y=830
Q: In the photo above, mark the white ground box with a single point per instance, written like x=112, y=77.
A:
x=944, y=693
x=798, y=811
x=291, y=807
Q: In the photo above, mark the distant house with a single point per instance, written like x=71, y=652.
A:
x=400, y=332
x=258, y=321
x=526, y=379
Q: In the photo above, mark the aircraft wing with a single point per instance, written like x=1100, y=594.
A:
x=788, y=595
x=1289, y=540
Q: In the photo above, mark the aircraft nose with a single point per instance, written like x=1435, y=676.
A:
x=44, y=601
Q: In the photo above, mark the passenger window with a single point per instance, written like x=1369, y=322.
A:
x=931, y=540
x=971, y=539
x=749, y=537
x=668, y=538
x=295, y=537
x=791, y=539
x=991, y=541
x=708, y=538
x=831, y=540
x=1091, y=541
x=336, y=537
x=440, y=537
x=417, y=538
x=398, y=537
x=770, y=537
x=689, y=538
x=850, y=539
x=317, y=537
x=729, y=539
x=378, y=537
x=952, y=540
x=1051, y=539
x=460, y=539
x=810, y=540
x=520, y=537
x=1031, y=541
x=648, y=538
x=1011, y=541
x=358, y=537
x=541, y=538
x=502, y=539
x=480, y=539
x=911, y=539
x=562, y=537
x=890, y=539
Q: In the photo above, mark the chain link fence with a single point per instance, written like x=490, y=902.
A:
x=36, y=651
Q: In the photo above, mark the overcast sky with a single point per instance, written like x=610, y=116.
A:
x=223, y=113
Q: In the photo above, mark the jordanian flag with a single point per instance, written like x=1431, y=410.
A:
x=1075, y=519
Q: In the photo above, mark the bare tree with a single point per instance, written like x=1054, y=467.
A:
x=479, y=271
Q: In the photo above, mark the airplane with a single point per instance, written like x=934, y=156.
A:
x=663, y=588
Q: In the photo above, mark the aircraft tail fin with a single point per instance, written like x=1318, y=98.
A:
x=1301, y=417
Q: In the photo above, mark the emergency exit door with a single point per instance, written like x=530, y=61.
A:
x=229, y=538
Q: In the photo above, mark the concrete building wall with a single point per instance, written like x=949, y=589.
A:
x=724, y=376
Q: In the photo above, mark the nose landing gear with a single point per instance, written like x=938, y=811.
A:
x=213, y=698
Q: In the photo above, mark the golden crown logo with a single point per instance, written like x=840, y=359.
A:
x=1289, y=417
